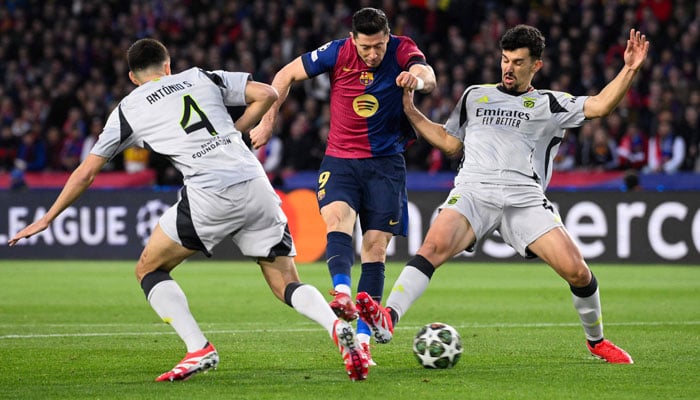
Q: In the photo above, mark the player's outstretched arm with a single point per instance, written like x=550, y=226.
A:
x=419, y=77
x=434, y=133
x=77, y=183
x=605, y=102
x=290, y=73
x=259, y=97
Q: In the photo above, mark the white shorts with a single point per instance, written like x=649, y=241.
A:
x=249, y=212
x=520, y=213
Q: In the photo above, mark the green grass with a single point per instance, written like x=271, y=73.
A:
x=73, y=330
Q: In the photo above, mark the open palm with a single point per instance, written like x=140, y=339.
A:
x=637, y=49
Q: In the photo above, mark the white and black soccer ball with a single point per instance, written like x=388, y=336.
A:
x=437, y=345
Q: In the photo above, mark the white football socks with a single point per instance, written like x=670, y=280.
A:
x=309, y=302
x=589, y=311
x=170, y=303
x=409, y=286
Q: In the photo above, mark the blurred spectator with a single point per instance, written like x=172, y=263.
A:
x=633, y=148
x=74, y=123
x=301, y=146
x=666, y=150
x=71, y=149
x=135, y=159
x=631, y=181
x=270, y=156
x=615, y=125
x=94, y=131
x=599, y=151
x=31, y=154
x=54, y=146
x=565, y=159
x=63, y=62
x=689, y=129
x=7, y=112
x=9, y=145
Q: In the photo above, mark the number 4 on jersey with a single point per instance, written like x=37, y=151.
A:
x=191, y=106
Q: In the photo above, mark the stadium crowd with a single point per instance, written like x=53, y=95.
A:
x=63, y=69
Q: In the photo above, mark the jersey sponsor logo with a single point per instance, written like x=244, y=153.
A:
x=500, y=116
x=365, y=105
x=211, y=145
x=529, y=102
x=502, y=112
x=483, y=99
x=366, y=78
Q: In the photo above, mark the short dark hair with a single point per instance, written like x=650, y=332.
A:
x=369, y=21
x=146, y=53
x=521, y=36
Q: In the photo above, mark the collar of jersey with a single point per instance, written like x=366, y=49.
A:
x=513, y=92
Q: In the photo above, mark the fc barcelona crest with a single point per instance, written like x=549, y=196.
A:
x=366, y=78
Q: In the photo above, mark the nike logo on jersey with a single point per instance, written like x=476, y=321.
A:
x=392, y=222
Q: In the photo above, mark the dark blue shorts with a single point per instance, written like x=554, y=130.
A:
x=374, y=187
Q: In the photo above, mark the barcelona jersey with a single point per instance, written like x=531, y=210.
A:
x=367, y=118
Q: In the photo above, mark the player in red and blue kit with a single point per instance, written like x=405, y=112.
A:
x=363, y=172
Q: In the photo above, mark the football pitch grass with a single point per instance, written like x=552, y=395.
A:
x=73, y=330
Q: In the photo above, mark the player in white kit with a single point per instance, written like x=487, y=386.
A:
x=510, y=133
x=226, y=194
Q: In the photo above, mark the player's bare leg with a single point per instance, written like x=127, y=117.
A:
x=339, y=218
x=167, y=299
x=282, y=277
x=450, y=234
x=558, y=249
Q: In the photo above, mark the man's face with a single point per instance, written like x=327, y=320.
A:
x=371, y=48
x=518, y=68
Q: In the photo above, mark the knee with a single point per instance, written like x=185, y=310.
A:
x=144, y=268
x=433, y=251
x=375, y=250
x=332, y=223
x=374, y=244
x=578, y=274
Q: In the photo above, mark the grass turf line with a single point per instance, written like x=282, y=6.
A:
x=84, y=330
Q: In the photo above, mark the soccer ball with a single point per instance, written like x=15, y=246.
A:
x=437, y=345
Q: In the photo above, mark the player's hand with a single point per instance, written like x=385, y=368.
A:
x=28, y=231
x=408, y=105
x=407, y=80
x=637, y=49
x=260, y=135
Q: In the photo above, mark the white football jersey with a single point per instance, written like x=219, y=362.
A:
x=184, y=117
x=511, y=139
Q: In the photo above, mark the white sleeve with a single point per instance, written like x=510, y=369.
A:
x=233, y=86
x=458, y=118
x=115, y=137
x=571, y=113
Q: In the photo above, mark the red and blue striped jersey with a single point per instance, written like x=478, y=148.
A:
x=367, y=118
